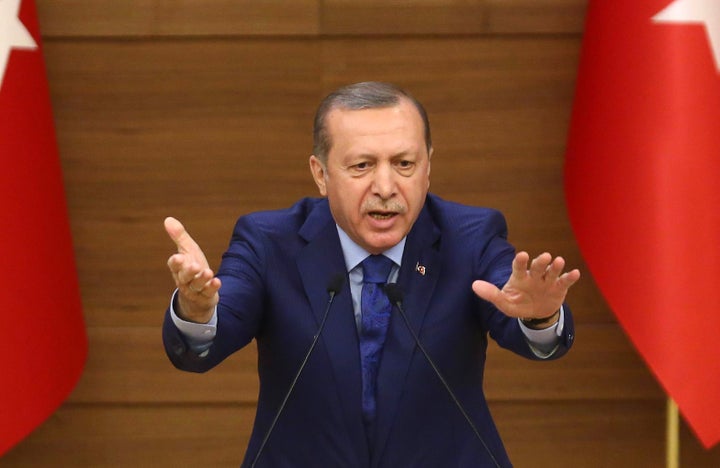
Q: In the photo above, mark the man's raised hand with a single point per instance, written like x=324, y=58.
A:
x=535, y=292
x=196, y=282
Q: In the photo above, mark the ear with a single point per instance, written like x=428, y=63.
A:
x=317, y=168
x=430, y=153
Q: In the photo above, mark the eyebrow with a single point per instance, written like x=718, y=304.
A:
x=401, y=154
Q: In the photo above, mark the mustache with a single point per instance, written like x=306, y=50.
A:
x=383, y=205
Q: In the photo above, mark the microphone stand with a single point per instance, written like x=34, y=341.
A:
x=394, y=293
x=333, y=288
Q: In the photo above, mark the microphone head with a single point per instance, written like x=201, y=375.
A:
x=393, y=292
x=337, y=281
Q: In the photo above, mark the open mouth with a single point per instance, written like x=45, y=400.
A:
x=379, y=215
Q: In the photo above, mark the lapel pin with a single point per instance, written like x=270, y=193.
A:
x=420, y=268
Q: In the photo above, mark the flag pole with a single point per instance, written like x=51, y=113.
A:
x=672, y=435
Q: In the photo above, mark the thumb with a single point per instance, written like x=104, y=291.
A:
x=178, y=234
x=487, y=291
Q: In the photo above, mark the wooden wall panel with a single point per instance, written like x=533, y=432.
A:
x=203, y=130
x=83, y=436
x=606, y=434
x=603, y=435
x=399, y=17
x=451, y=17
x=536, y=16
x=129, y=366
x=142, y=18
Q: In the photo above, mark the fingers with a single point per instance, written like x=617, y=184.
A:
x=520, y=261
x=180, y=236
x=544, y=267
x=197, y=288
x=184, y=243
x=540, y=265
x=197, y=303
x=196, y=283
x=554, y=269
x=206, y=289
x=535, y=288
x=519, y=265
x=544, y=275
x=554, y=273
x=189, y=267
x=191, y=277
x=569, y=278
x=202, y=283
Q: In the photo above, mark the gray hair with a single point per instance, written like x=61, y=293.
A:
x=365, y=95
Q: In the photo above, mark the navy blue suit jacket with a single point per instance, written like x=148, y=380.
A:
x=274, y=280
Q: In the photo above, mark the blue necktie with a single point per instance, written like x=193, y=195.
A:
x=375, y=308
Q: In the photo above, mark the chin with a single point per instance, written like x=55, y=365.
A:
x=381, y=245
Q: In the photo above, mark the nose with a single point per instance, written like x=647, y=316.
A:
x=384, y=185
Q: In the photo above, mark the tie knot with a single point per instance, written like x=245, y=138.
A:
x=376, y=269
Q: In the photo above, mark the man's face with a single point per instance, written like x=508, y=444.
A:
x=377, y=173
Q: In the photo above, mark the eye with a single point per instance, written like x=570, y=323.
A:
x=405, y=165
x=360, y=168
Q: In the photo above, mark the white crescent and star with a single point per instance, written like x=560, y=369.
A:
x=13, y=34
x=705, y=12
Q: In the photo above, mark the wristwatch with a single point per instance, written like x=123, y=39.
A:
x=539, y=321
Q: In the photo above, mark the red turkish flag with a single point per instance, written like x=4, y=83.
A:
x=642, y=181
x=43, y=343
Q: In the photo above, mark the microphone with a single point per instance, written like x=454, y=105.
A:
x=333, y=288
x=395, y=294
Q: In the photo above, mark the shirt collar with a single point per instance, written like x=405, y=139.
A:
x=354, y=254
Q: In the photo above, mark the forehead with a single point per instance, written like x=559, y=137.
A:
x=399, y=123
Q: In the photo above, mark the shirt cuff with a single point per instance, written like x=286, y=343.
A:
x=543, y=343
x=199, y=336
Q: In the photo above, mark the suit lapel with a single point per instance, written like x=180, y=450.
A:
x=319, y=261
x=418, y=276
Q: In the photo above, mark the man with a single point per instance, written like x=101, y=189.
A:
x=367, y=397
